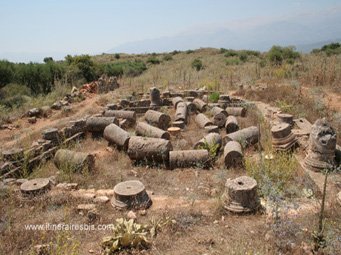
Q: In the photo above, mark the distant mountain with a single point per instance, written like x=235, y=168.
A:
x=307, y=32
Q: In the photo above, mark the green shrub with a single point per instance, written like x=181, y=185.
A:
x=6, y=72
x=329, y=49
x=278, y=54
x=174, y=52
x=127, y=68
x=167, y=57
x=153, y=60
x=117, y=56
x=243, y=57
x=232, y=61
x=189, y=51
x=197, y=64
x=214, y=97
x=273, y=173
x=230, y=53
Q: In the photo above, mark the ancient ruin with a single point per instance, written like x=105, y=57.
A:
x=130, y=194
x=241, y=195
x=322, y=147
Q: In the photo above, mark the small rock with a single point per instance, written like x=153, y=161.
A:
x=9, y=181
x=101, y=199
x=32, y=120
x=105, y=192
x=215, y=222
x=339, y=198
x=91, y=251
x=86, y=207
x=92, y=215
x=20, y=181
x=53, y=179
x=131, y=215
x=109, y=149
x=42, y=249
x=214, y=192
x=143, y=212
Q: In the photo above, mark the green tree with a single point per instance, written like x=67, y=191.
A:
x=278, y=54
x=197, y=64
x=6, y=72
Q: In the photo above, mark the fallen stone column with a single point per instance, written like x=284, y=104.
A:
x=154, y=150
x=219, y=116
x=224, y=101
x=231, y=124
x=116, y=135
x=202, y=120
x=155, y=99
x=176, y=100
x=130, y=116
x=191, y=93
x=144, y=129
x=245, y=137
x=236, y=111
x=200, y=104
x=212, y=139
x=191, y=108
x=189, y=158
x=181, y=112
x=74, y=161
x=233, y=154
x=98, y=124
x=157, y=119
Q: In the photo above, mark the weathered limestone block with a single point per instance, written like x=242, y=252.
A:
x=149, y=149
x=158, y=119
x=117, y=136
x=211, y=139
x=189, y=158
x=130, y=195
x=322, y=146
x=200, y=104
x=130, y=116
x=177, y=100
x=155, y=99
x=202, y=120
x=245, y=137
x=241, y=195
x=231, y=124
x=282, y=137
x=98, y=124
x=144, y=129
x=74, y=161
x=219, y=116
x=181, y=112
x=236, y=111
x=233, y=154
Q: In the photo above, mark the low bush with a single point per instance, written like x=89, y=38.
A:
x=197, y=64
x=153, y=60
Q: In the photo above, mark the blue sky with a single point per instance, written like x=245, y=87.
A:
x=95, y=26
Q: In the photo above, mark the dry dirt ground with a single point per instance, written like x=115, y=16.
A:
x=191, y=197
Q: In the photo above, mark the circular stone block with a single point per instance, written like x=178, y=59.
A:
x=241, y=195
x=174, y=131
x=281, y=130
x=35, y=186
x=130, y=194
